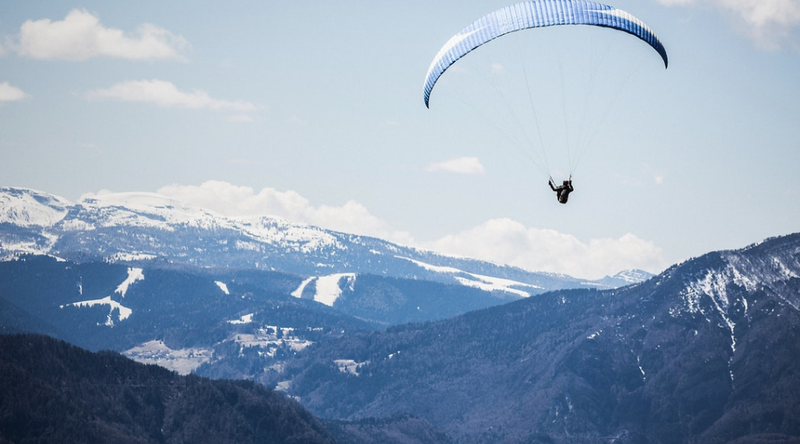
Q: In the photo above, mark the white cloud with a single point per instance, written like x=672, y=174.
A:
x=460, y=165
x=10, y=93
x=499, y=240
x=509, y=242
x=770, y=23
x=81, y=36
x=167, y=95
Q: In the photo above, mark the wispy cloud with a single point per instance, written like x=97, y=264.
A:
x=500, y=240
x=770, y=23
x=81, y=36
x=460, y=165
x=10, y=93
x=167, y=95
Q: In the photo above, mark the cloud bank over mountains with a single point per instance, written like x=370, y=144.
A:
x=499, y=240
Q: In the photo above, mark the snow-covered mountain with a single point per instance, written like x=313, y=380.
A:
x=147, y=229
x=27, y=208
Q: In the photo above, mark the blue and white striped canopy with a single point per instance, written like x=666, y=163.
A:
x=536, y=14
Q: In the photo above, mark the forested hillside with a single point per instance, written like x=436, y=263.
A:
x=53, y=392
x=706, y=352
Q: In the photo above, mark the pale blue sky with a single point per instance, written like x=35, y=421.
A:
x=313, y=111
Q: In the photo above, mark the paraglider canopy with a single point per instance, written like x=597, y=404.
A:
x=536, y=14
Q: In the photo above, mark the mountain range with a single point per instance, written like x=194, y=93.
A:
x=394, y=344
x=198, y=291
x=706, y=352
x=147, y=229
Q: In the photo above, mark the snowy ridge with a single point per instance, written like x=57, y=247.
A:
x=632, y=276
x=720, y=293
x=26, y=208
x=148, y=229
x=745, y=271
x=151, y=210
x=487, y=283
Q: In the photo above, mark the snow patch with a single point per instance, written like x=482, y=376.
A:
x=275, y=231
x=122, y=311
x=785, y=272
x=489, y=283
x=222, y=286
x=298, y=292
x=134, y=274
x=639, y=364
x=482, y=282
x=247, y=246
x=130, y=257
x=21, y=248
x=713, y=285
x=76, y=225
x=327, y=288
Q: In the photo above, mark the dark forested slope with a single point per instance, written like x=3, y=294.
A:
x=52, y=392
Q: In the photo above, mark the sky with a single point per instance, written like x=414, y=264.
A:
x=313, y=111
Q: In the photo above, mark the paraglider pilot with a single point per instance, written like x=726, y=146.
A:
x=563, y=190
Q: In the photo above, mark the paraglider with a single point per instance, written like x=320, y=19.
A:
x=563, y=190
x=530, y=15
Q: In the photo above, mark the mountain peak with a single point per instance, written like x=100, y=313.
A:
x=25, y=207
x=131, y=200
